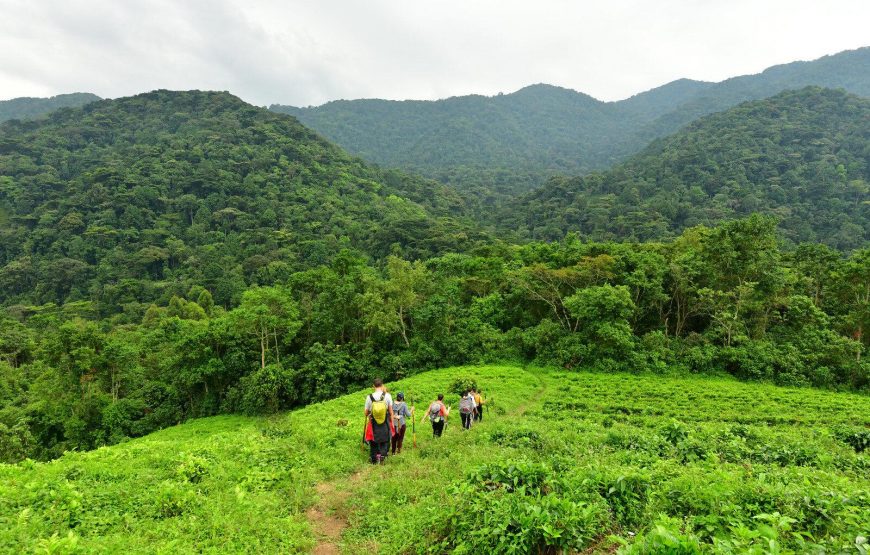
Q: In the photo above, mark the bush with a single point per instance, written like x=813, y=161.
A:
x=173, y=500
x=264, y=391
x=462, y=384
x=666, y=536
x=518, y=508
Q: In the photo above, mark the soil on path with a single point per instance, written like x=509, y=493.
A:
x=327, y=516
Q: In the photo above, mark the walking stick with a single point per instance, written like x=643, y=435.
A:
x=413, y=423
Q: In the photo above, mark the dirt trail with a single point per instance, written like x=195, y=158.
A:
x=542, y=389
x=329, y=514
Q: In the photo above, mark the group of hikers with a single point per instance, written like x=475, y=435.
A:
x=386, y=419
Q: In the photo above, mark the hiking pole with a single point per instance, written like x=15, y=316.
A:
x=413, y=423
x=363, y=442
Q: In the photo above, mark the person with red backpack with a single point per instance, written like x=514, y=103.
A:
x=379, y=422
x=437, y=414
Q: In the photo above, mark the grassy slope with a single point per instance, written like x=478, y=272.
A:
x=749, y=449
x=222, y=484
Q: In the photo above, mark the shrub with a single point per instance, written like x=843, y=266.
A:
x=173, y=500
x=516, y=507
x=666, y=536
x=462, y=384
x=856, y=438
x=192, y=469
x=517, y=438
x=264, y=391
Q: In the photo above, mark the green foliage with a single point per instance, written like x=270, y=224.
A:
x=857, y=438
x=518, y=508
x=798, y=156
x=461, y=385
x=26, y=108
x=132, y=201
x=774, y=474
x=716, y=300
x=493, y=147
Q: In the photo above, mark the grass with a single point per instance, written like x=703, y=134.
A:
x=574, y=461
x=215, y=485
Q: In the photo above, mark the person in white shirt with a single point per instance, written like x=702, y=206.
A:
x=379, y=429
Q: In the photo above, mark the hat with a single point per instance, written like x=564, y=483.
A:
x=400, y=396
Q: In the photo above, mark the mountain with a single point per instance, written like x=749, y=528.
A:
x=803, y=156
x=849, y=70
x=123, y=202
x=25, y=107
x=541, y=130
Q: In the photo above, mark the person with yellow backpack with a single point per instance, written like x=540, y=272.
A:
x=379, y=422
x=478, y=401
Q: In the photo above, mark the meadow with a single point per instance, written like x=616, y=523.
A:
x=562, y=462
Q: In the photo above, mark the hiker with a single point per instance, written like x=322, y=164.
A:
x=467, y=409
x=437, y=414
x=400, y=411
x=379, y=426
x=478, y=400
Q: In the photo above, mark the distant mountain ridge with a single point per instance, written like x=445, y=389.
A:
x=802, y=156
x=29, y=107
x=545, y=129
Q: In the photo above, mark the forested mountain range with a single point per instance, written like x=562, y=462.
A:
x=508, y=142
x=26, y=107
x=802, y=156
x=124, y=202
x=181, y=254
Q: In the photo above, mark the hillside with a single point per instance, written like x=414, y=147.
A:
x=512, y=141
x=26, y=108
x=802, y=156
x=577, y=461
x=128, y=201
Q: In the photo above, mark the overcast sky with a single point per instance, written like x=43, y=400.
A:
x=308, y=52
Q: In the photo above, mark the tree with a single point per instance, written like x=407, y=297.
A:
x=602, y=316
x=387, y=304
x=270, y=314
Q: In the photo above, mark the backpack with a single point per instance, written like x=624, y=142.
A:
x=466, y=405
x=379, y=408
x=397, y=417
x=435, y=412
x=478, y=399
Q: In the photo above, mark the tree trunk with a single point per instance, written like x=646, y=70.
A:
x=263, y=351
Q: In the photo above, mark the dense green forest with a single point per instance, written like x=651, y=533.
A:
x=26, y=108
x=512, y=142
x=714, y=300
x=130, y=201
x=176, y=255
x=801, y=156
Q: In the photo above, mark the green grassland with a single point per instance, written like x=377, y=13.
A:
x=577, y=462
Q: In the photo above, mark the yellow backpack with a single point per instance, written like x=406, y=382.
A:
x=379, y=408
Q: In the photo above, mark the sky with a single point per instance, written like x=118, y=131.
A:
x=307, y=52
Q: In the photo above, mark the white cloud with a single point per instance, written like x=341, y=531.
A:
x=310, y=51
